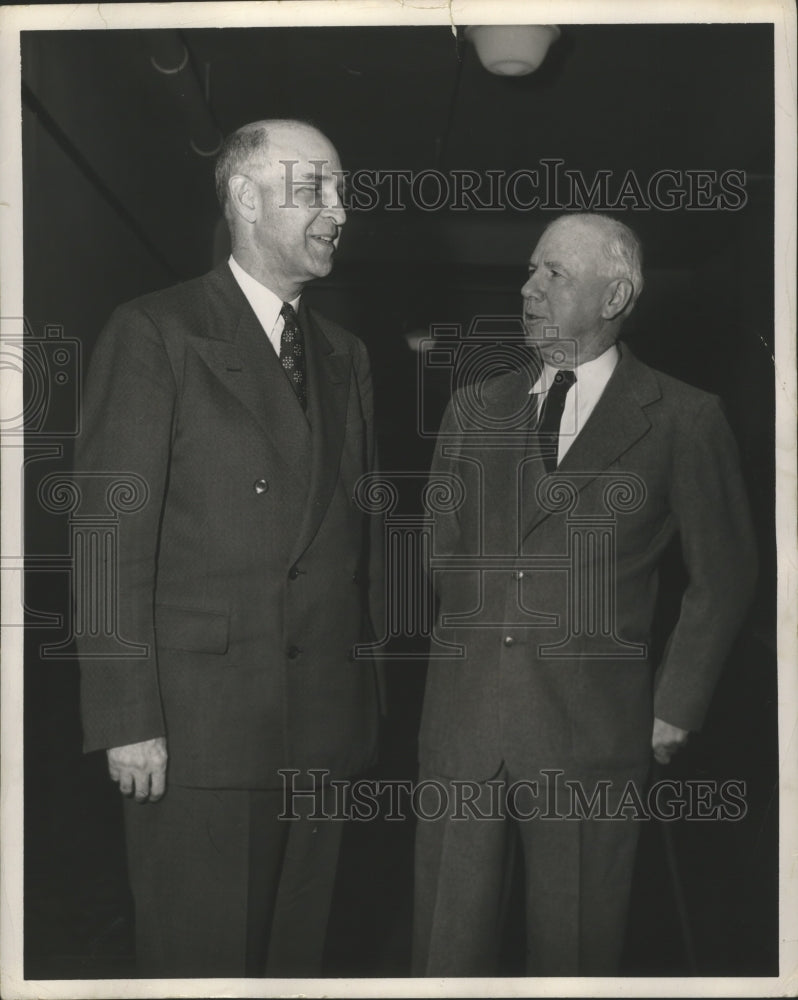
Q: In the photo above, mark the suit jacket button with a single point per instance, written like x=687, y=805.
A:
x=356, y=577
x=508, y=640
x=293, y=573
x=293, y=652
x=261, y=486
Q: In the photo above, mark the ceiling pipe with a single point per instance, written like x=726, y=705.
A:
x=170, y=57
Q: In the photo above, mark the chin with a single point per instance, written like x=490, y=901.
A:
x=320, y=267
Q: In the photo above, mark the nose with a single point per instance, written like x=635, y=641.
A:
x=337, y=213
x=532, y=288
x=334, y=208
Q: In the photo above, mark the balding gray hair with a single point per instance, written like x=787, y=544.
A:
x=244, y=145
x=621, y=247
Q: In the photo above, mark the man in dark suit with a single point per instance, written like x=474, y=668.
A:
x=576, y=474
x=244, y=578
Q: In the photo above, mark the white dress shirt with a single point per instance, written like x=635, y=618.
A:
x=591, y=381
x=265, y=304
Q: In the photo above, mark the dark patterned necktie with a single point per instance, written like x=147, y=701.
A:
x=548, y=430
x=292, y=353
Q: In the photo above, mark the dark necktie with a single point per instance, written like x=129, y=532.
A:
x=292, y=353
x=548, y=430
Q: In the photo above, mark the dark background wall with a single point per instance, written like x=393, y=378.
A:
x=117, y=203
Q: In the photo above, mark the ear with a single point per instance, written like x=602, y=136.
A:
x=243, y=197
x=618, y=297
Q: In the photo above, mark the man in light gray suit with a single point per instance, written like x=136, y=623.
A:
x=561, y=534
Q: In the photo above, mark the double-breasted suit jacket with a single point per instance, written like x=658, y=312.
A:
x=557, y=670
x=246, y=574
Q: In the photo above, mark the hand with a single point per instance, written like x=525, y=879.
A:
x=666, y=740
x=140, y=769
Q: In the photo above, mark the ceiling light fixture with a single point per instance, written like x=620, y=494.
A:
x=512, y=49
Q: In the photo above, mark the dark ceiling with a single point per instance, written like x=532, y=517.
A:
x=609, y=97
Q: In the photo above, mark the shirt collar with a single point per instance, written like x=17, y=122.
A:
x=592, y=372
x=265, y=304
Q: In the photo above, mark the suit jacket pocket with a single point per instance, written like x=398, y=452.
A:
x=191, y=629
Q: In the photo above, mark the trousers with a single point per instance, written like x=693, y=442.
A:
x=223, y=886
x=577, y=877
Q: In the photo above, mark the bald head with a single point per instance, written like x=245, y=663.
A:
x=247, y=147
x=619, y=250
x=279, y=183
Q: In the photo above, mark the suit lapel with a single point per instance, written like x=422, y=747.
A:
x=238, y=351
x=329, y=376
x=617, y=422
x=506, y=459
